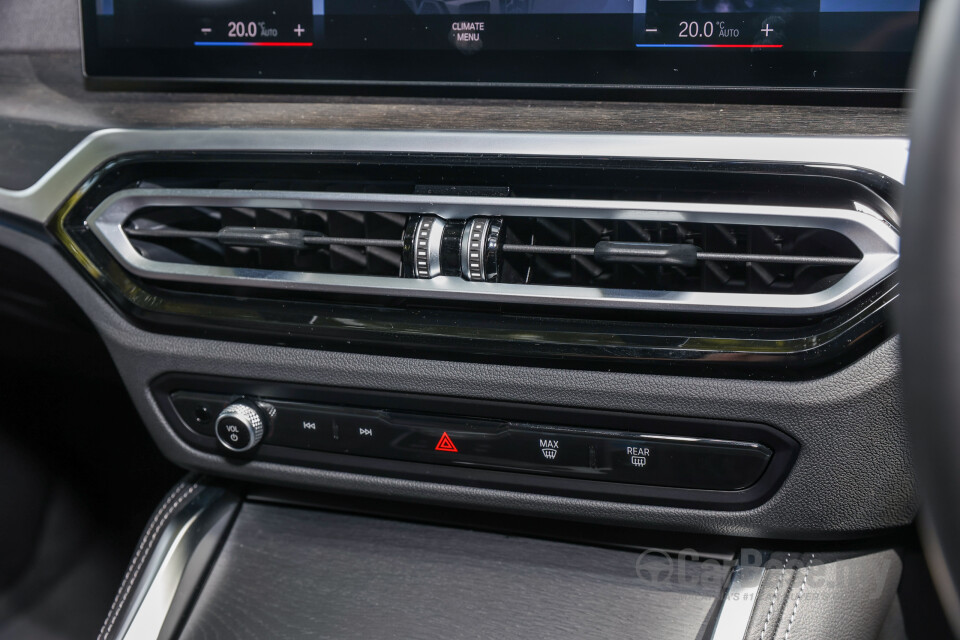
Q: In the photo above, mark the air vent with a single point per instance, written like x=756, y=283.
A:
x=641, y=255
x=674, y=256
x=277, y=239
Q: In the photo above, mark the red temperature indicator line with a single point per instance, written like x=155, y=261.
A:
x=253, y=44
x=745, y=46
x=710, y=46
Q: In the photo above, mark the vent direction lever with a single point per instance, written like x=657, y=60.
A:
x=606, y=251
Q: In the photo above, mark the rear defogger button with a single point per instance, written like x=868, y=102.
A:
x=683, y=462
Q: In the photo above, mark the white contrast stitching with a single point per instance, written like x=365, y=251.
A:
x=773, y=600
x=141, y=557
x=146, y=542
x=146, y=539
x=796, y=605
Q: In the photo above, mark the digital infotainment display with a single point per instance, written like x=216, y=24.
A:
x=825, y=44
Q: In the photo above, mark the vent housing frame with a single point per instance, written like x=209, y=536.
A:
x=768, y=347
x=873, y=236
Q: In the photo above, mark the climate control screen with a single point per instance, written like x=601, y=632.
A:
x=617, y=43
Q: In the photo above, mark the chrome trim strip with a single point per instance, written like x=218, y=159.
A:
x=473, y=255
x=186, y=538
x=874, y=236
x=465, y=248
x=417, y=256
x=434, y=240
x=886, y=156
x=739, y=600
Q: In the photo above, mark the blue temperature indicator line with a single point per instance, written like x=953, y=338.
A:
x=672, y=46
x=252, y=44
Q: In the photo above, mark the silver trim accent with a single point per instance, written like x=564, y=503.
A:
x=739, y=600
x=420, y=250
x=886, y=156
x=185, y=545
x=473, y=243
x=268, y=409
x=874, y=236
x=426, y=246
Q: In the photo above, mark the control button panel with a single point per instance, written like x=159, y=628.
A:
x=612, y=455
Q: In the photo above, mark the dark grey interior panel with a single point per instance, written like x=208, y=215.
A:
x=295, y=573
x=39, y=25
x=852, y=476
x=29, y=149
x=59, y=75
x=47, y=90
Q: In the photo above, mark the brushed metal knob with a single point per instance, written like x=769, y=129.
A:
x=240, y=426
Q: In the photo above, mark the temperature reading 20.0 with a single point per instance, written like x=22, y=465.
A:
x=694, y=29
x=242, y=29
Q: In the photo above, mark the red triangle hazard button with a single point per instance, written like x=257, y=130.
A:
x=446, y=444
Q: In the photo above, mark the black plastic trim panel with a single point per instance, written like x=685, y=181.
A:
x=785, y=449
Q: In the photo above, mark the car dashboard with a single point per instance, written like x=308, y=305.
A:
x=395, y=278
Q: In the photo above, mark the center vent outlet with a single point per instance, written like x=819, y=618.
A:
x=639, y=255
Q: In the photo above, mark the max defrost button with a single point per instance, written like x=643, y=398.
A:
x=550, y=450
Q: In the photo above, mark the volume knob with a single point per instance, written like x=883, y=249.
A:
x=240, y=426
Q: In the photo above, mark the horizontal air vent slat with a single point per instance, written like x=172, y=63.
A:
x=698, y=255
x=261, y=237
x=601, y=253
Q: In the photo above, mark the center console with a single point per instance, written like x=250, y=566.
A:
x=214, y=562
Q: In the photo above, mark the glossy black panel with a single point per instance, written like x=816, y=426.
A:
x=199, y=410
x=641, y=458
x=622, y=456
